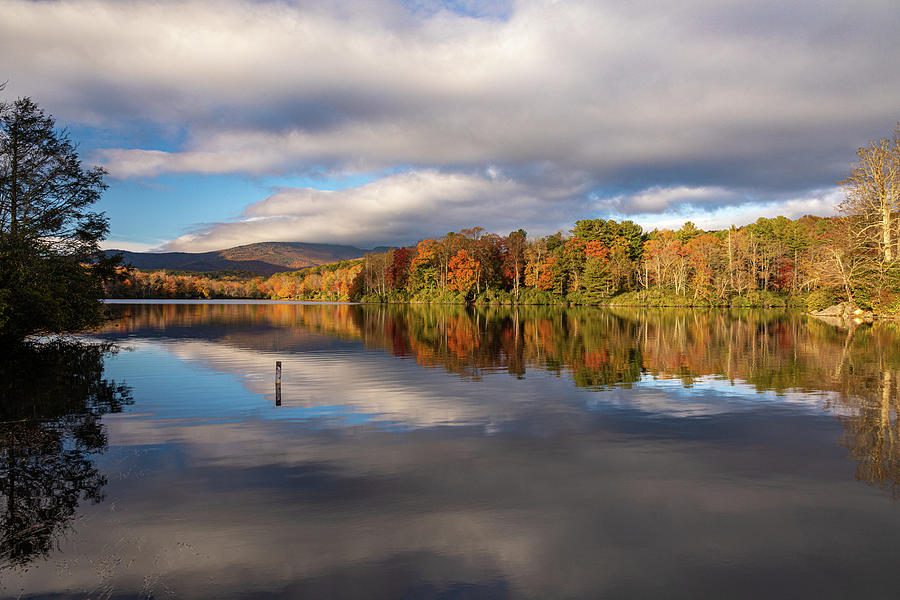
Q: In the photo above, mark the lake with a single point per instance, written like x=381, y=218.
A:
x=445, y=452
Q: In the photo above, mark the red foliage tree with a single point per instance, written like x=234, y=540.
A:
x=398, y=271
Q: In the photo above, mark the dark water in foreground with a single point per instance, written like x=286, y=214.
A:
x=442, y=453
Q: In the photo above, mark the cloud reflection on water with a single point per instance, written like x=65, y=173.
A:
x=462, y=469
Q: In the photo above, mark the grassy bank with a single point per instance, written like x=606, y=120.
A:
x=646, y=298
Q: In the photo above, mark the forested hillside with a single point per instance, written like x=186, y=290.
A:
x=809, y=262
x=770, y=262
x=264, y=258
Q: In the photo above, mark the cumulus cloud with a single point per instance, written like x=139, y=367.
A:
x=607, y=87
x=658, y=199
x=404, y=207
x=409, y=206
x=691, y=102
x=814, y=202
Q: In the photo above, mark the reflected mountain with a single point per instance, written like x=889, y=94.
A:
x=53, y=397
x=779, y=352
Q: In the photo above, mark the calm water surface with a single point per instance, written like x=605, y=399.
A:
x=416, y=452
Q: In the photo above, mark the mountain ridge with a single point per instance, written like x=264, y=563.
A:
x=263, y=258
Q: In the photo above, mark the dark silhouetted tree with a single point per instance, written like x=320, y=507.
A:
x=51, y=266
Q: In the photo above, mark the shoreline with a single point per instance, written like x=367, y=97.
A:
x=828, y=318
x=113, y=301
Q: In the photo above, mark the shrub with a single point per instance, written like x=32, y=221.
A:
x=651, y=297
x=434, y=296
x=764, y=299
x=819, y=299
x=536, y=296
x=494, y=296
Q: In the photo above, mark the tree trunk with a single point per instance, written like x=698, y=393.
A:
x=516, y=282
x=14, y=185
x=730, y=260
x=886, y=232
x=897, y=237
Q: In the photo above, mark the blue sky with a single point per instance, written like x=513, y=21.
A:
x=382, y=122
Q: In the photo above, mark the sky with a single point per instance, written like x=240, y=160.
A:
x=383, y=122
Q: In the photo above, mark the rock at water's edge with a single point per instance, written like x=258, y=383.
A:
x=847, y=311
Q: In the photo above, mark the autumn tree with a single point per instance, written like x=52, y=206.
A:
x=621, y=266
x=514, y=257
x=552, y=274
x=488, y=252
x=423, y=269
x=665, y=254
x=398, y=271
x=844, y=263
x=461, y=273
x=536, y=255
x=312, y=285
x=873, y=193
x=707, y=258
x=445, y=249
x=375, y=271
x=872, y=200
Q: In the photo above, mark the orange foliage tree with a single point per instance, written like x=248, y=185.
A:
x=462, y=270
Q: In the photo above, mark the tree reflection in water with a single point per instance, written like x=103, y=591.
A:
x=53, y=398
x=772, y=351
x=872, y=435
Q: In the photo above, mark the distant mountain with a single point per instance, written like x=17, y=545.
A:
x=264, y=258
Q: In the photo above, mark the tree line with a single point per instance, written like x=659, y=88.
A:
x=53, y=274
x=772, y=262
x=811, y=262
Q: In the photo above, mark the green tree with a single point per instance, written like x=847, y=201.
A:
x=597, y=278
x=609, y=233
x=51, y=266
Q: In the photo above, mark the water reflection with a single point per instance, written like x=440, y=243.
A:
x=53, y=397
x=770, y=351
x=873, y=435
x=438, y=452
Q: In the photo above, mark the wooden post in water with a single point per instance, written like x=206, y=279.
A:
x=277, y=383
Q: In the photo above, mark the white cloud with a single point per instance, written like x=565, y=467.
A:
x=817, y=202
x=696, y=103
x=413, y=205
x=406, y=206
x=761, y=94
x=658, y=199
x=119, y=244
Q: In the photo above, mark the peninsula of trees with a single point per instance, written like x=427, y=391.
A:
x=809, y=262
x=52, y=272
